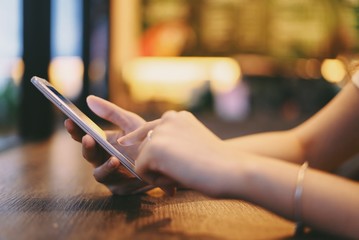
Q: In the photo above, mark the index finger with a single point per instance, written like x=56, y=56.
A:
x=127, y=121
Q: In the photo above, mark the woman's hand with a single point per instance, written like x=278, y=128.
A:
x=181, y=150
x=108, y=170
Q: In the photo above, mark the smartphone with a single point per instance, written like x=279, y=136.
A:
x=84, y=122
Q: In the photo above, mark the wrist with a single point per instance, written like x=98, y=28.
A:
x=238, y=169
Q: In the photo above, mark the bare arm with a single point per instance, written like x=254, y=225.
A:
x=181, y=150
x=281, y=145
x=328, y=203
x=198, y=159
x=325, y=140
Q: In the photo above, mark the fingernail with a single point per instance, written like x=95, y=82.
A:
x=93, y=105
x=122, y=141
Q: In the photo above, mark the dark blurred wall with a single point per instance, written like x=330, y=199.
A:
x=36, y=114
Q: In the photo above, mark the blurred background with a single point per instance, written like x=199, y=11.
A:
x=241, y=66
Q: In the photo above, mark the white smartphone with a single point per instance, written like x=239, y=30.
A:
x=84, y=122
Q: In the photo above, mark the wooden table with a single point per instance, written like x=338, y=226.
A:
x=47, y=191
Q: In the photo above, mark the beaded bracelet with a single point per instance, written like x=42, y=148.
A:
x=298, y=198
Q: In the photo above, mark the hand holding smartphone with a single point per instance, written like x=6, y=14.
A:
x=84, y=122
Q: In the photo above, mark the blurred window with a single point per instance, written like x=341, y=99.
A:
x=11, y=67
x=66, y=67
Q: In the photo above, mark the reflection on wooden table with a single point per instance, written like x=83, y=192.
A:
x=47, y=191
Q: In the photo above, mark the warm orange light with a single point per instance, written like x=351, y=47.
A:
x=225, y=75
x=11, y=68
x=66, y=74
x=175, y=79
x=333, y=70
x=17, y=70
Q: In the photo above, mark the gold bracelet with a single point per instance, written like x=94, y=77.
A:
x=298, y=199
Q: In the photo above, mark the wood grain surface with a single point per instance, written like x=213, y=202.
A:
x=47, y=191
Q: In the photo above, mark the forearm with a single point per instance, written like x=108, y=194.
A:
x=280, y=145
x=271, y=184
x=330, y=203
x=325, y=140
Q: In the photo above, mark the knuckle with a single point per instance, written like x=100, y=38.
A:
x=186, y=114
x=169, y=114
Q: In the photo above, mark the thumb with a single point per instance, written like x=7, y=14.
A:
x=139, y=134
